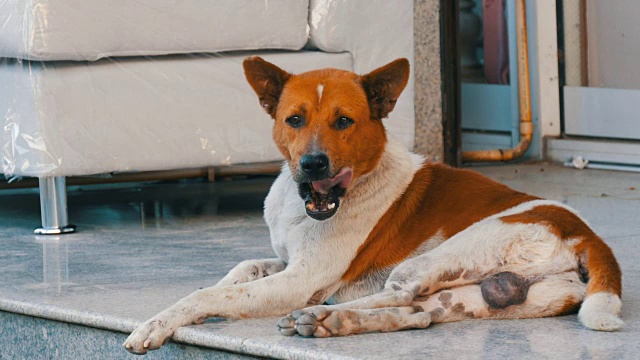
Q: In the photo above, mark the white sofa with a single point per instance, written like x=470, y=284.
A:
x=92, y=86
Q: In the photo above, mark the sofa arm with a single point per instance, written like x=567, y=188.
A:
x=374, y=32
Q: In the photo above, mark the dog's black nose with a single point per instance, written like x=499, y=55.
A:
x=315, y=165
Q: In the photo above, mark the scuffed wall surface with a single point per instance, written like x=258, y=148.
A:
x=428, y=94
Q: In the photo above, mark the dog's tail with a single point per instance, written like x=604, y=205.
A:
x=601, y=307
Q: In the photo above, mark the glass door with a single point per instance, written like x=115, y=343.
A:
x=489, y=89
x=602, y=72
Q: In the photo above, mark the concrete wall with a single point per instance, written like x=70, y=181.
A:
x=428, y=102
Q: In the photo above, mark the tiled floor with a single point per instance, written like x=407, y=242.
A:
x=139, y=249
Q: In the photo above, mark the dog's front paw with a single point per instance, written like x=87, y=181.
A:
x=307, y=323
x=149, y=336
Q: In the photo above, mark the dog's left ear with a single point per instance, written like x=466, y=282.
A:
x=267, y=80
x=384, y=85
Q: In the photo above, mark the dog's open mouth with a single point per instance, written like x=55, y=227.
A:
x=322, y=197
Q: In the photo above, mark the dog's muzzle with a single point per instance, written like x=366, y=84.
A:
x=322, y=197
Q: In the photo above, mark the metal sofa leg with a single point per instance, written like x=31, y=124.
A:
x=53, y=207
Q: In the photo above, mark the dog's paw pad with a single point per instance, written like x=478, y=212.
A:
x=303, y=323
x=286, y=326
x=306, y=330
x=298, y=313
x=286, y=322
x=307, y=319
x=288, y=331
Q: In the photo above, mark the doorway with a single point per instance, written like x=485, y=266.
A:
x=599, y=43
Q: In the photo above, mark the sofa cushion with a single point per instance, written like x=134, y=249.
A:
x=138, y=114
x=93, y=29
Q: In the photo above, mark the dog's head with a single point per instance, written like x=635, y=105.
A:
x=328, y=124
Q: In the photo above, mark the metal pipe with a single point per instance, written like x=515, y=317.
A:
x=524, y=97
x=53, y=207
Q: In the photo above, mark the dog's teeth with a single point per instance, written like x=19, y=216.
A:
x=331, y=206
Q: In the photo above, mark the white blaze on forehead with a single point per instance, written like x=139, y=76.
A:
x=320, y=90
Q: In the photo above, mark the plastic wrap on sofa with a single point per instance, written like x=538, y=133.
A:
x=93, y=29
x=138, y=114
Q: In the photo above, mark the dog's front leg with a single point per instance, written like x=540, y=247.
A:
x=278, y=294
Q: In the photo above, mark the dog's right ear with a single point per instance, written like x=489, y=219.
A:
x=267, y=80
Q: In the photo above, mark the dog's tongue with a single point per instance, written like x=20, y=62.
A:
x=343, y=179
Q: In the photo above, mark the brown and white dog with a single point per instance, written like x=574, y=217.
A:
x=392, y=242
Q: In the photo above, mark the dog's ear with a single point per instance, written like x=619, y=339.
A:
x=384, y=85
x=267, y=80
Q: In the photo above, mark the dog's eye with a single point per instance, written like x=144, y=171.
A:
x=343, y=123
x=294, y=121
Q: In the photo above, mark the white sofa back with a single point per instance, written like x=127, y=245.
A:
x=93, y=29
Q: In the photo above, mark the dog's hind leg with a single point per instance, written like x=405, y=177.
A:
x=337, y=320
x=348, y=322
x=553, y=295
x=550, y=296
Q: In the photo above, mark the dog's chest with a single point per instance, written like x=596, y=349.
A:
x=285, y=214
x=294, y=234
